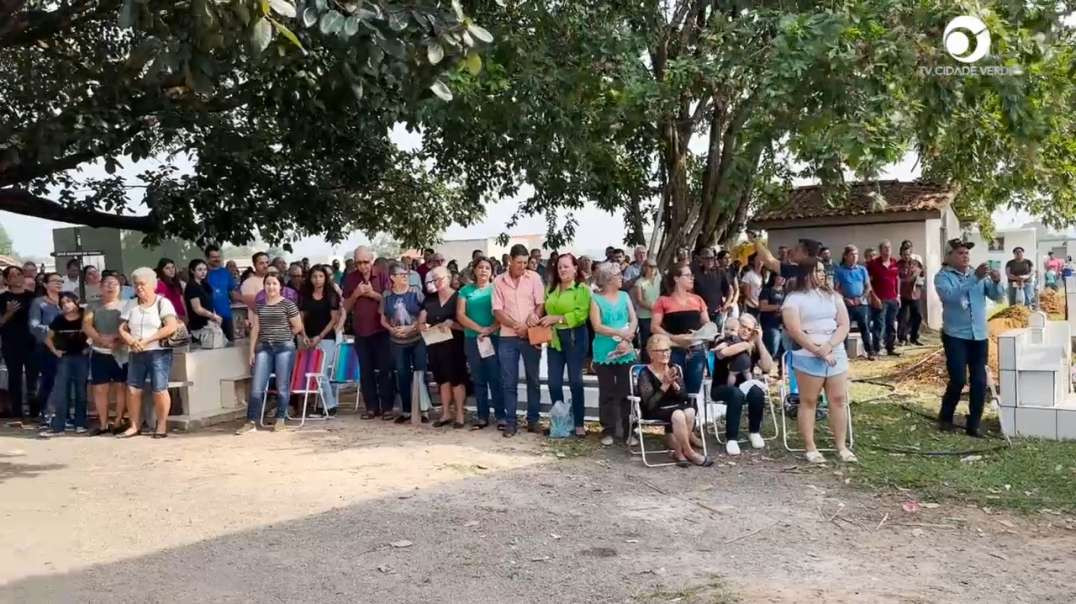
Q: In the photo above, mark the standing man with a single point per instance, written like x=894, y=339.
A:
x=854, y=285
x=338, y=275
x=255, y=283
x=635, y=269
x=885, y=299
x=826, y=257
x=1020, y=272
x=911, y=271
x=29, y=277
x=225, y=290
x=963, y=294
x=16, y=341
x=74, y=271
x=713, y=286
x=362, y=298
x=427, y=264
x=518, y=303
x=296, y=275
x=536, y=255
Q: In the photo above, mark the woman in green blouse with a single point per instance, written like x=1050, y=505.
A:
x=567, y=306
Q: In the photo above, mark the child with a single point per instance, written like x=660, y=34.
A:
x=740, y=364
x=67, y=341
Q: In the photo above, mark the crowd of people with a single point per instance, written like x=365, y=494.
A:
x=730, y=314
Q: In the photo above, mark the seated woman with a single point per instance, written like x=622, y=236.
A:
x=663, y=396
x=729, y=380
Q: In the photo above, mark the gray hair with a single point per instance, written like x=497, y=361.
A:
x=361, y=250
x=605, y=273
x=145, y=274
x=437, y=273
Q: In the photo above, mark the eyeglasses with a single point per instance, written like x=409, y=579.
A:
x=692, y=275
x=362, y=262
x=660, y=350
x=399, y=274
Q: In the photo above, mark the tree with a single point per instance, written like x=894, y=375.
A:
x=257, y=118
x=686, y=114
x=7, y=248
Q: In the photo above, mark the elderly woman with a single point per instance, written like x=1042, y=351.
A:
x=474, y=311
x=613, y=317
x=146, y=320
x=567, y=306
x=816, y=321
x=273, y=328
x=446, y=358
x=108, y=356
x=676, y=314
x=402, y=315
x=747, y=341
x=663, y=396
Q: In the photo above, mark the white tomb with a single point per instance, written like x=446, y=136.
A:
x=1036, y=381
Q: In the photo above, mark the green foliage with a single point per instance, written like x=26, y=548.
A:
x=7, y=248
x=247, y=119
x=697, y=111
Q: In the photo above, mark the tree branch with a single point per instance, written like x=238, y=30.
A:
x=20, y=201
x=31, y=26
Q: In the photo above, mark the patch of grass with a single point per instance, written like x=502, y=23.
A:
x=712, y=591
x=572, y=446
x=1030, y=476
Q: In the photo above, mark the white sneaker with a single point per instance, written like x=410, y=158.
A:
x=732, y=447
x=607, y=441
x=633, y=442
x=815, y=457
x=757, y=441
x=847, y=456
x=247, y=426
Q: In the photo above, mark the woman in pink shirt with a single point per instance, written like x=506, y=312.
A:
x=169, y=286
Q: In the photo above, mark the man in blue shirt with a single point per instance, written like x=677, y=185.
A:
x=225, y=289
x=963, y=294
x=854, y=285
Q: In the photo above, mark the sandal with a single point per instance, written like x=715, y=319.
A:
x=581, y=432
x=388, y=417
x=706, y=462
x=457, y=425
x=160, y=435
x=501, y=425
x=128, y=433
x=441, y=422
x=681, y=461
x=367, y=415
x=479, y=425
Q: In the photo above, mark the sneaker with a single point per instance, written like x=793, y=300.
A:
x=81, y=430
x=50, y=434
x=847, y=456
x=757, y=442
x=892, y=352
x=332, y=412
x=279, y=425
x=607, y=441
x=815, y=457
x=534, y=427
x=509, y=431
x=917, y=342
x=248, y=426
x=732, y=447
x=633, y=442
x=403, y=419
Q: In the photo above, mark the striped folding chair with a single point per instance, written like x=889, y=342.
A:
x=345, y=370
x=308, y=367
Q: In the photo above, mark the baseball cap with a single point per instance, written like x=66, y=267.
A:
x=957, y=243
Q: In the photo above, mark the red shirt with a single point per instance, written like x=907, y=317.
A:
x=885, y=279
x=366, y=313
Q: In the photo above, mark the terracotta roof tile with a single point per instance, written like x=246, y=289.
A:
x=808, y=202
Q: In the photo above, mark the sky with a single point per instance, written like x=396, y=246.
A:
x=596, y=228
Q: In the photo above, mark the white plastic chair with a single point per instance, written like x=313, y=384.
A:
x=787, y=388
x=719, y=428
x=637, y=423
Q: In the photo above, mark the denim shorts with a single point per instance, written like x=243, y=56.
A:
x=816, y=366
x=105, y=370
x=153, y=365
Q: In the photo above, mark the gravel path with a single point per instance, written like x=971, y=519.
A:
x=376, y=513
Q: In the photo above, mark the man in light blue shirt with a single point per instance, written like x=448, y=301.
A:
x=854, y=284
x=963, y=293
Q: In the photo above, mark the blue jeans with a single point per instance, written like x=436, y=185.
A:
x=573, y=349
x=693, y=363
x=408, y=358
x=486, y=375
x=1024, y=296
x=771, y=338
x=508, y=352
x=152, y=365
x=860, y=316
x=47, y=363
x=963, y=357
x=72, y=372
x=276, y=359
x=885, y=325
x=328, y=389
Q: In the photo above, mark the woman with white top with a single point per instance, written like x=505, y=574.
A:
x=816, y=321
x=146, y=320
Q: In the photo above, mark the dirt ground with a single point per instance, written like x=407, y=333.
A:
x=359, y=511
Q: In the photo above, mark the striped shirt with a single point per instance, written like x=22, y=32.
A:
x=273, y=326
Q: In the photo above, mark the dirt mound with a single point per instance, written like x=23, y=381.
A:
x=1011, y=317
x=1053, y=304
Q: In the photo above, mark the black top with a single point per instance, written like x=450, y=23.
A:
x=771, y=295
x=714, y=287
x=67, y=335
x=790, y=270
x=650, y=395
x=317, y=314
x=734, y=364
x=439, y=313
x=204, y=294
x=16, y=330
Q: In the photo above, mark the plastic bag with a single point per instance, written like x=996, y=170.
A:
x=561, y=421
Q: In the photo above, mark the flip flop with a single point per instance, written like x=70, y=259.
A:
x=457, y=425
x=479, y=425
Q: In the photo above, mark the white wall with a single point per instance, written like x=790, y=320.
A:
x=924, y=235
x=460, y=249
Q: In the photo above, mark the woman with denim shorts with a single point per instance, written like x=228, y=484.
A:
x=816, y=321
x=108, y=355
x=146, y=320
x=273, y=328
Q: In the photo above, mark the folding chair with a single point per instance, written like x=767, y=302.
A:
x=345, y=369
x=790, y=387
x=308, y=367
x=719, y=428
x=637, y=423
